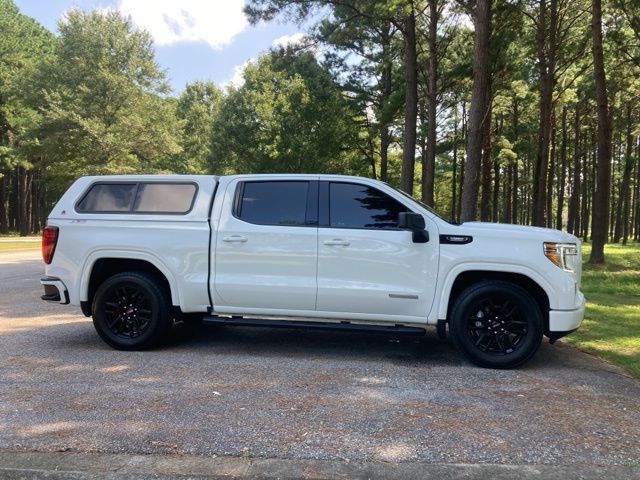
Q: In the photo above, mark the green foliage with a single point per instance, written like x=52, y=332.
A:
x=197, y=108
x=289, y=116
x=100, y=97
x=612, y=319
x=23, y=42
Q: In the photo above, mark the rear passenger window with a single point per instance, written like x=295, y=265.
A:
x=108, y=197
x=142, y=197
x=273, y=203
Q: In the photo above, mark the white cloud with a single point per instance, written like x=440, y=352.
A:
x=214, y=22
x=287, y=40
x=237, y=77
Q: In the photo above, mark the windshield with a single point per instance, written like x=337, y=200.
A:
x=423, y=205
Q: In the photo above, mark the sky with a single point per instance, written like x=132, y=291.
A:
x=194, y=39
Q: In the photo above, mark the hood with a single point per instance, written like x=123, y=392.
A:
x=515, y=231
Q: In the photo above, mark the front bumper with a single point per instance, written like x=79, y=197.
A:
x=563, y=322
x=54, y=290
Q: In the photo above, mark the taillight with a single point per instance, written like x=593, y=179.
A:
x=49, y=240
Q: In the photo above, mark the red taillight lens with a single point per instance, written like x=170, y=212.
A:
x=49, y=240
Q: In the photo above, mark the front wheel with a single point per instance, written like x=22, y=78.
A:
x=131, y=311
x=496, y=324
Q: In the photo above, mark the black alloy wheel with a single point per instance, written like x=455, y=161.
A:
x=132, y=311
x=496, y=324
x=127, y=310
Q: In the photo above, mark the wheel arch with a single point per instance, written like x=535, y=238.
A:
x=102, y=265
x=456, y=283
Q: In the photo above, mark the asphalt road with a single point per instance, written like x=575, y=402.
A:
x=297, y=395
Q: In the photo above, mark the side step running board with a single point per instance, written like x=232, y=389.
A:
x=334, y=326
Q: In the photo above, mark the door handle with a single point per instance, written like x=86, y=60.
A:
x=234, y=239
x=337, y=242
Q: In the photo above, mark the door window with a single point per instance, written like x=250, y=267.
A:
x=359, y=206
x=273, y=203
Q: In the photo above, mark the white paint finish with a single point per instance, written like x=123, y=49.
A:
x=566, y=320
x=359, y=270
x=506, y=248
x=262, y=270
x=263, y=266
x=175, y=244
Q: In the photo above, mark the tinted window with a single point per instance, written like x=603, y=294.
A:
x=150, y=198
x=359, y=206
x=112, y=197
x=273, y=203
x=164, y=197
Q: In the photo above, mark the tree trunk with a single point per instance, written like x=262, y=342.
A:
x=386, y=91
x=515, y=200
x=636, y=229
x=485, y=173
x=4, y=221
x=454, y=172
x=495, y=203
x=584, y=198
x=508, y=184
x=600, y=218
x=384, y=152
x=14, y=210
x=432, y=105
x=464, y=135
x=574, y=199
x=622, y=212
x=411, y=103
x=478, y=115
x=563, y=169
x=34, y=226
x=23, y=202
x=614, y=201
x=550, y=174
x=496, y=191
x=546, y=52
x=423, y=152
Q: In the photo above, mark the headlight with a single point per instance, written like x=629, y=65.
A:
x=564, y=255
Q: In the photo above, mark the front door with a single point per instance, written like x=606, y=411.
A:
x=366, y=265
x=266, y=247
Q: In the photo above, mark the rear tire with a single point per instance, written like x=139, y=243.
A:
x=132, y=311
x=496, y=324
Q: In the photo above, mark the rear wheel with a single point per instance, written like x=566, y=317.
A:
x=131, y=311
x=496, y=324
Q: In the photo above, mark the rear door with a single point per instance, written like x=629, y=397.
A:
x=266, y=246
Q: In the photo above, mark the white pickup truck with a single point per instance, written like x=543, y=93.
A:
x=139, y=252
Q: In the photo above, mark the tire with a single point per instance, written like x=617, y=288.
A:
x=496, y=324
x=132, y=311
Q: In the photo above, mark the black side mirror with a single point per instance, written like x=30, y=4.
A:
x=415, y=223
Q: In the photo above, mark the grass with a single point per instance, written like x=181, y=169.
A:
x=611, y=328
x=10, y=233
x=19, y=245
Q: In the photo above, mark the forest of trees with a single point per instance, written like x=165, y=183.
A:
x=520, y=111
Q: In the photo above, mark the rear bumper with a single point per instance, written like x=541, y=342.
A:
x=54, y=290
x=566, y=321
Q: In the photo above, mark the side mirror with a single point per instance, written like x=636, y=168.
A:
x=415, y=223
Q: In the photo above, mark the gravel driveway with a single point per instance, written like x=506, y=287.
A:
x=296, y=394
